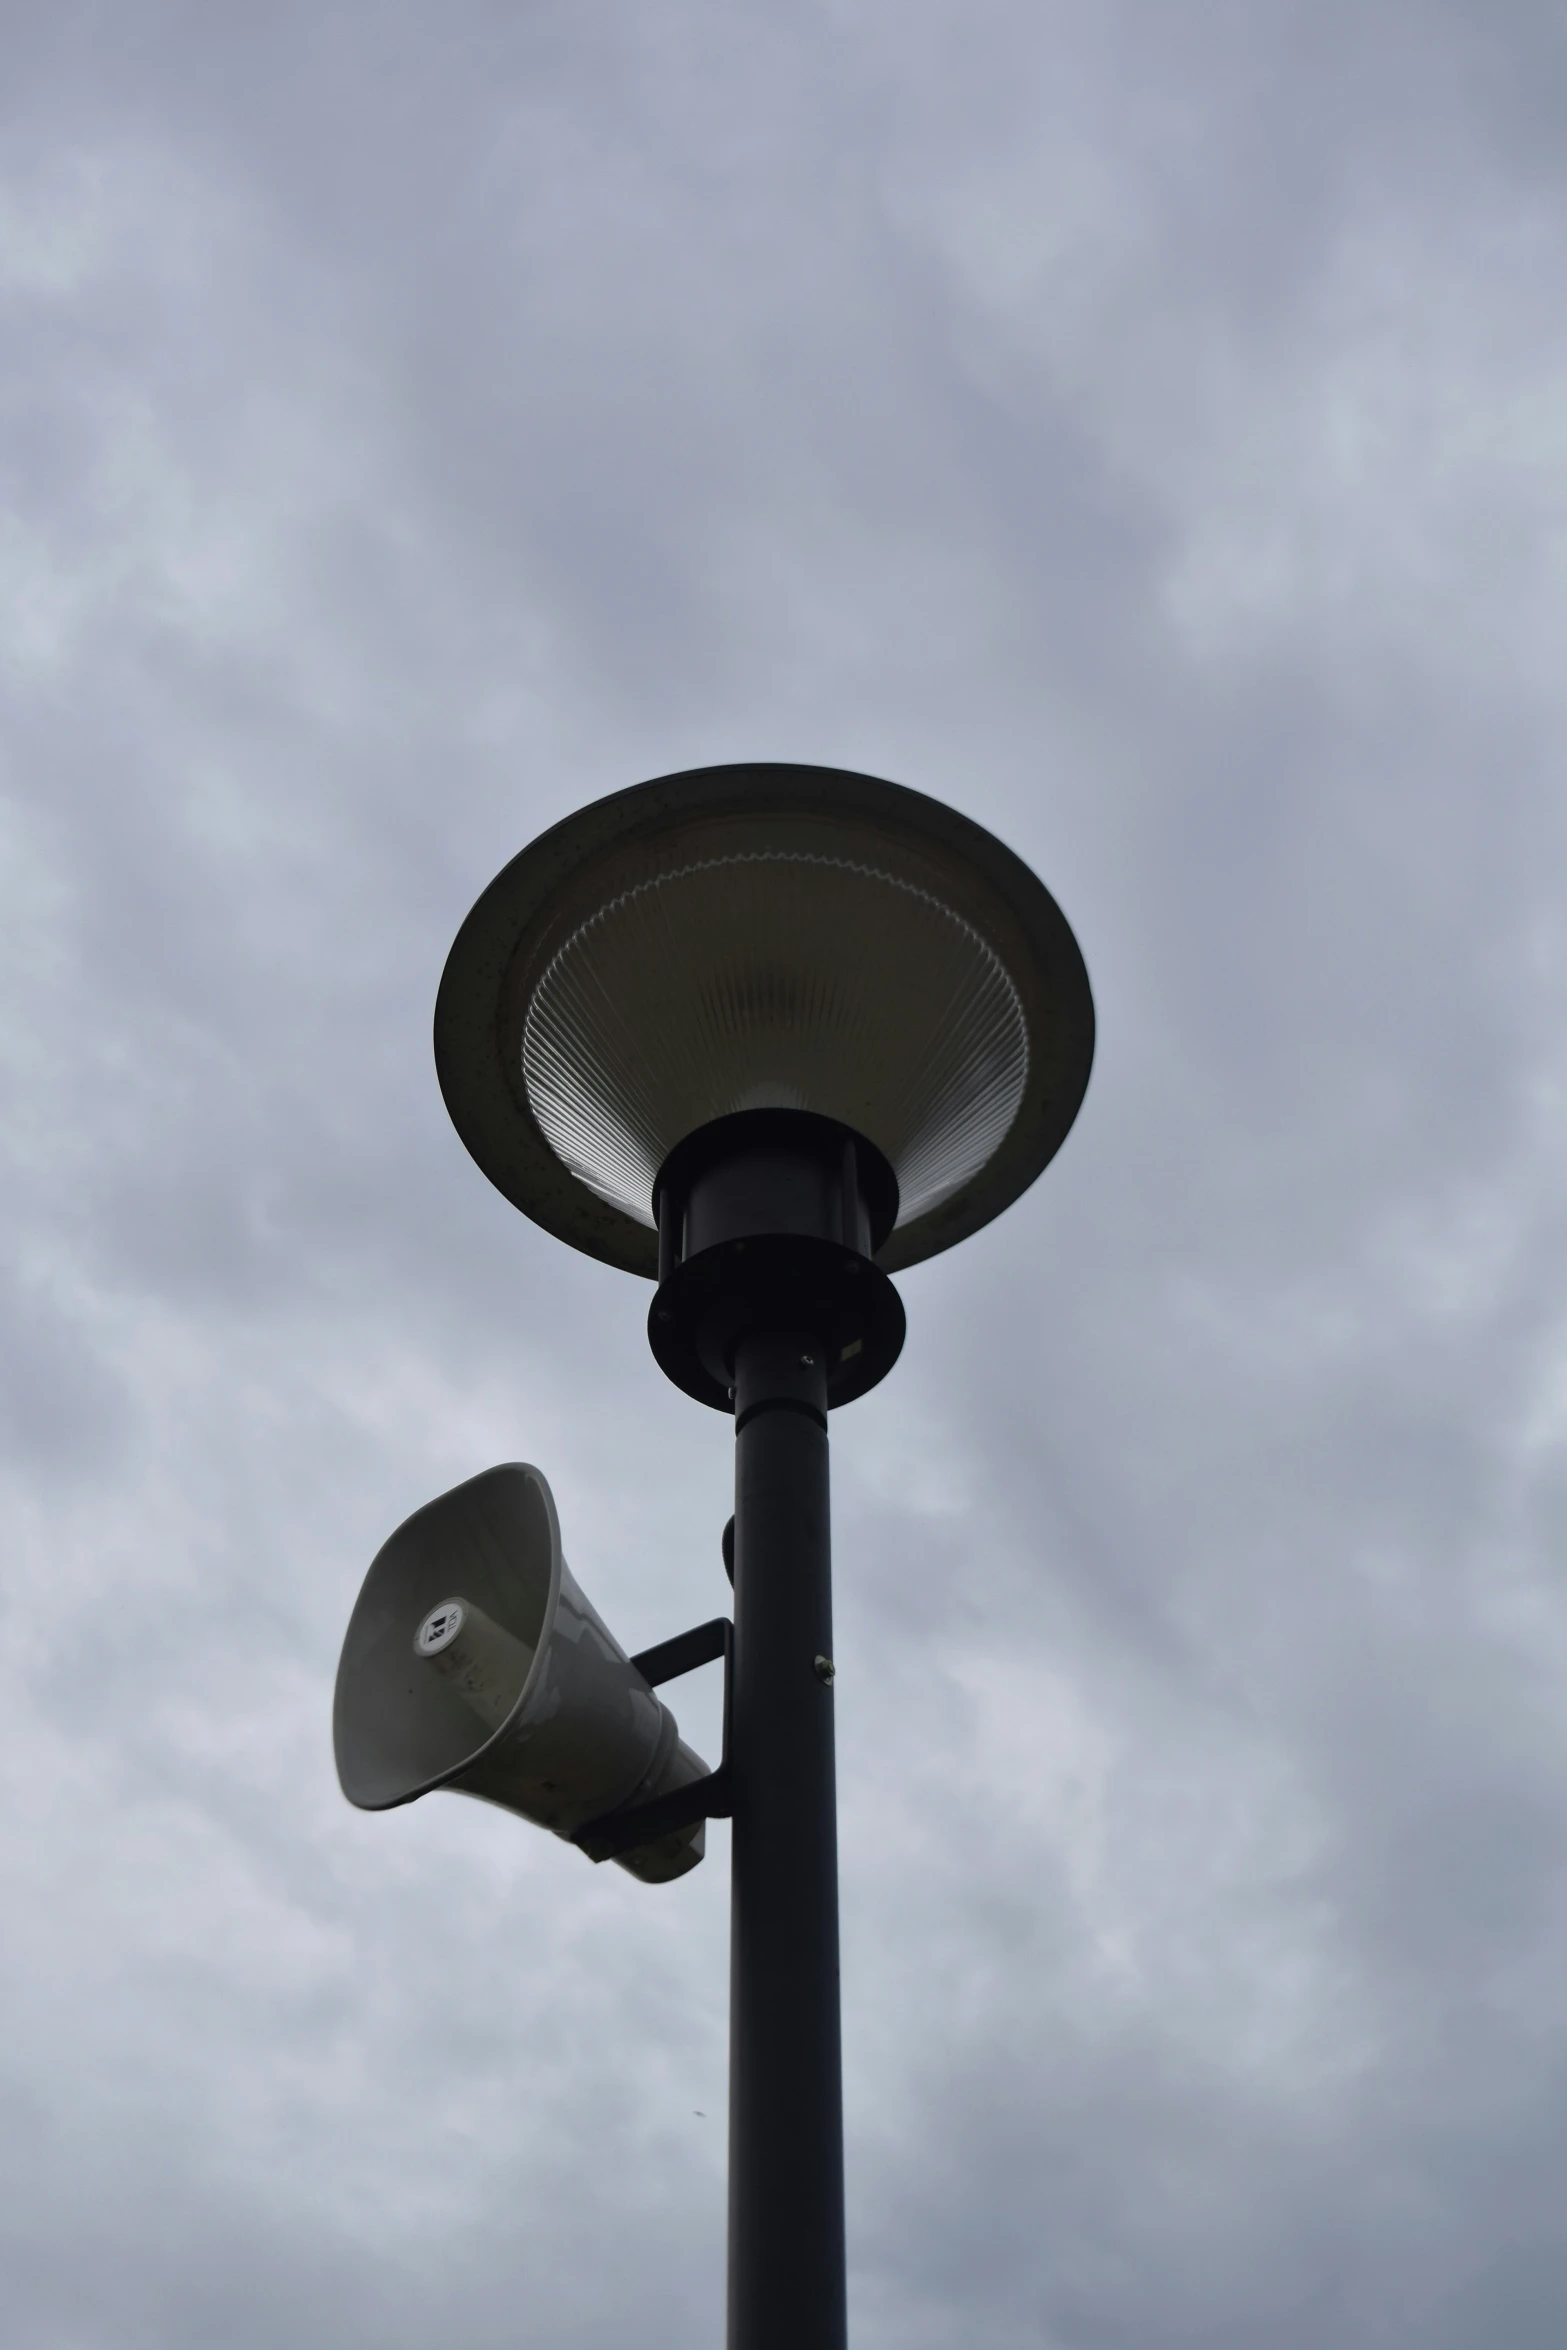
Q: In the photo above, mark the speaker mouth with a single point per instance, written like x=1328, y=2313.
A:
x=400, y=1728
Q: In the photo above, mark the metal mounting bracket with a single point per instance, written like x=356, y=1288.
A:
x=703, y=1799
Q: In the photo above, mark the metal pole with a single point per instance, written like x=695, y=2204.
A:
x=786, y=2236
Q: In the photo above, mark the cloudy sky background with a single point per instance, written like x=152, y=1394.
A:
x=1145, y=427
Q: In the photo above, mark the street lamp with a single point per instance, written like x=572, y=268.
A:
x=764, y=1034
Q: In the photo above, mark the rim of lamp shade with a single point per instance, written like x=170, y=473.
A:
x=762, y=936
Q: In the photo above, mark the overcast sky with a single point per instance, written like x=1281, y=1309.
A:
x=1144, y=426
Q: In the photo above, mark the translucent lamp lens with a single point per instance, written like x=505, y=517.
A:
x=775, y=980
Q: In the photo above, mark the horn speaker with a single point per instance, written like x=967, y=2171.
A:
x=474, y=1661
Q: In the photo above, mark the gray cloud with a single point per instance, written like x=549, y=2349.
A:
x=1143, y=431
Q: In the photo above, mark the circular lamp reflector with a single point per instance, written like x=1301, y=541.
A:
x=763, y=937
x=767, y=981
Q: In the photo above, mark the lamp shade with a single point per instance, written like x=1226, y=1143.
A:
x=758, y=938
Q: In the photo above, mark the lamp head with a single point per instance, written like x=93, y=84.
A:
x=763, y=938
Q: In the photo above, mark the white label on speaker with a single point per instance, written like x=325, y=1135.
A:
x=440, y=1627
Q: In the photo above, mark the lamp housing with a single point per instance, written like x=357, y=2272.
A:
x=763, y=938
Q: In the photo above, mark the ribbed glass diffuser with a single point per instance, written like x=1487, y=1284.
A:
x=774, y=980
x=762, y=937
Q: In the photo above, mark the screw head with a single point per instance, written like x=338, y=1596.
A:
x=808, y=1361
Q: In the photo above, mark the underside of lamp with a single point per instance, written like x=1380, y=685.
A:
x=740, y=940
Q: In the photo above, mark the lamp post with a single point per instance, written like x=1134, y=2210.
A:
x=764, y=1034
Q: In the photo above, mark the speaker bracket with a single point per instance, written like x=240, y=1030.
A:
x=704, y=1799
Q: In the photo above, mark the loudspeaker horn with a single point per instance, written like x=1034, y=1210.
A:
x=473, y=1661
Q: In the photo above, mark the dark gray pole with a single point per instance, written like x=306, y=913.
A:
x=786, y=2241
